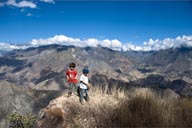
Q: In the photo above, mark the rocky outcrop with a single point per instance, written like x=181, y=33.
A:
x=107, y=110
x=68, y=112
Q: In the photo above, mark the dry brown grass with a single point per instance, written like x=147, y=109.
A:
x=138, y=107
x=183, y=113
x=143, y=107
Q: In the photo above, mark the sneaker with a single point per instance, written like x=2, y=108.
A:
x=87, y=99
x=68, y=95
x=82, y=102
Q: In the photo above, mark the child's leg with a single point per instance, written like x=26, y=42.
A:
x=81, y=96
x=74, y=88
x=78, y=90
x=86, y=95
x=70, y=89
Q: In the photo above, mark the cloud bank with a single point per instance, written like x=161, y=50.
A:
x=65, y=40
x=114, y=44
x=23, y=3
x=168, y=43
x=9, y=47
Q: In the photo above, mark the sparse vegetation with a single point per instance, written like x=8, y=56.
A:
x=21, y=121
x=140, y=107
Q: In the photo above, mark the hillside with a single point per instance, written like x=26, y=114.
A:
x=174, y=63
x=14, y=99
x=170, y=68
x=140, y=107
x=38, y=74
x=44, y=67
x=68, y=112
x=31, y=77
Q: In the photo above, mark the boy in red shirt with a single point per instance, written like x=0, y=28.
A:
x=71, y=74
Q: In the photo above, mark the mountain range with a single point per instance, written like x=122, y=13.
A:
x=34, y=76
x=43, y=68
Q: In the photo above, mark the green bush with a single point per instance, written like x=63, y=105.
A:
x=21, y=121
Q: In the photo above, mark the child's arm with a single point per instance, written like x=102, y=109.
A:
x=87, y=84
x=67, y=75
x=76, y=74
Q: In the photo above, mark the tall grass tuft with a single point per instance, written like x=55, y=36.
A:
x=183, y=113
x=141, y=110
x=138, y=107
x=143, y=107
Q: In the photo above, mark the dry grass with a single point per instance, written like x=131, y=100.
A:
x=143, y=107
x=142, y=92
x=183, y=113
x=115, y=92
x=139, y=107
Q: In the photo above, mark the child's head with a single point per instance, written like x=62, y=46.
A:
x=72, y=66
x=85, y=71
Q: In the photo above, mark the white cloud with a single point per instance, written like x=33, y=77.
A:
x=12, y=3
x=26, y=4
x=116, y=44
x=9, y=47
x=21, y=4
x=64, y=40
x=91, y=42
x=48, y=1
x=58, y=39
x=168, y=43
x=112, y=44
x=130, y=46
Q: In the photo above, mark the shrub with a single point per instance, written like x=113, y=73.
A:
x=21, y=121
x=139, y=112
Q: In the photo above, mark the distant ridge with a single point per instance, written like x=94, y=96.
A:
x=43, y=67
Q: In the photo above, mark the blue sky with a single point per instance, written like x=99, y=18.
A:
x=115, y=23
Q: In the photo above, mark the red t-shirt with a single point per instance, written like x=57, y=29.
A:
x=72, y=74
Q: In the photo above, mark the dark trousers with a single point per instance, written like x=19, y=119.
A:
x=72, y=88
x=83, y=94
